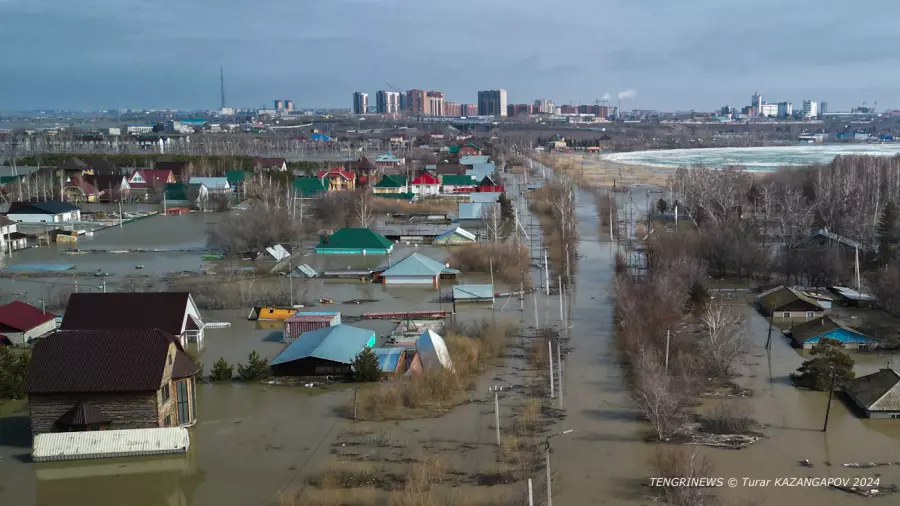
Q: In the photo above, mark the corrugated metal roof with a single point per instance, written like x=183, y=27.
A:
x=818, y=326
x=457, y=231
x=782, y=295
x=484, y=197
x=474, y=210
x=21, y=316
x=340, y=343
x=418, y=265
x=356, y=238
x=877, y=392
x=389, y=358
x=473, y=292
x=457, y=180
x=110, y=444
x=324, y=316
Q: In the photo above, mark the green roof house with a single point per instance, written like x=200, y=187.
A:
x=309, y=186
x=390, y=184
x=355, y=241
x=236, y=177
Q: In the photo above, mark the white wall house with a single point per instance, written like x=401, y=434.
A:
x=10, y=237
x=50, y=211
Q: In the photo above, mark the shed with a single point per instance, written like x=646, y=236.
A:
x=850, y=297
x=327, y=351
x=785, y=302
x=807, y=334
x=473, y=293
x=431, y=354
x=417, y=269
x=455, y=235
x=877, y=394
x=304, y=321
x=110, y=444
x=21, y=322
x=354, y=241
x=270, y=313
x=391, y=361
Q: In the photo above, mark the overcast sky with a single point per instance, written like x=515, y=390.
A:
x=690, y=54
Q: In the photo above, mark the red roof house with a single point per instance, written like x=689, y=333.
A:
x=21, y=322
x=425, y=184
x=275, y=164
x=145, y=178
x=337, y=179
x=488, y=185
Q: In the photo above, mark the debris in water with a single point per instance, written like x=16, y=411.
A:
x=867, y=465
x=326, y=301
x=806, y=463
x=138, y=266
x=869, y=492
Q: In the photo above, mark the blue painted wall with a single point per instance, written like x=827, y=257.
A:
x=842, y=335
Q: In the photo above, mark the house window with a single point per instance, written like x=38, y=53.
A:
x=181, y=397
x=895, y=416
x=193, y=399
x=786, y=315
x=164, y=392
x=809, y=314
x=168, y=421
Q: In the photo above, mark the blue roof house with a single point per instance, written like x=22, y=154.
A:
x=417, y=269
x=474, y=159
x=391, y=361
x=808, y=334
x=321, y=352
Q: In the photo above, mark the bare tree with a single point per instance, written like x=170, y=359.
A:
x=364, y=209
x=722, y=338
x=657, y=396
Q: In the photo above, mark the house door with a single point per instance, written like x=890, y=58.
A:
x=184, y=415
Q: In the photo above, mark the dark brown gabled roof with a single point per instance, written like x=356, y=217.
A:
x=177, y=168
x=99, y=361
x=450, y=168
x=871, y=391
x=82, y=414
x=161, y=310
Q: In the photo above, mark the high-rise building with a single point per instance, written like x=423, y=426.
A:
x=436, y=103
x=568, y=109
x=785, y=109
x=387, y=102
x=279, y=105
x=543, y=106
x=756, y=101
x=768, y=110
x=417, y=103
x=452, y=109
x=823, y=108
x=403, y=104
x=492, y=102
x=468, y=110
x=289, y=105
x=810, y=109
x=360, y=102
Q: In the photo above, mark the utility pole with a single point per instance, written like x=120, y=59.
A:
x=291, y=277
x=562, y=317
x=547, y=460
x=537, y=324
x=497, y=389
x=550, y=358
x=830, y=394
x=104, y=283
x=769, y=338
x=546, y=273
x=668, y=337
x=530, y=493
x=559, y=383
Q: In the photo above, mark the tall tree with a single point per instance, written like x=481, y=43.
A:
x=887, y=233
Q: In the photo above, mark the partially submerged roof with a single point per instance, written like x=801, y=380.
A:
x=110, y=444
x=100, y=361
x=356, y=238
x=474, y=210
x=43, y=207
x=161, y=310
x=484, y=197
x=819, y=326
x=418, y=265
x=19, y=316
x=782, y=295
x=851, y=294
x=456, y=231
x=473, y=292
x=340, y=343
x=876, y=392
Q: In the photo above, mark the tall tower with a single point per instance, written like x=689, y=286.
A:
x=222, y=86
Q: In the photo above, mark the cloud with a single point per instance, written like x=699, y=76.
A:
x=627, y=94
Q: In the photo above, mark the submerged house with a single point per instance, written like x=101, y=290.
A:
x=417, y=269
x=47, y=211
x=326, y=351
x=877, y=395
x=454, y=236
x=808, y=334
x=20, y=323
x=10, y=237
x=172, y=312
x=473, y=293
x=81, y=380
x=354, y=241
x=304, y=321
x=785, y=302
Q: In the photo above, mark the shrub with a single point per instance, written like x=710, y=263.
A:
x=511, y=261
x=365, y=366
x=222, y=371
x=12, y=373
x=257, y=368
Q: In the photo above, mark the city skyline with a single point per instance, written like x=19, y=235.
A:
x=139, y=54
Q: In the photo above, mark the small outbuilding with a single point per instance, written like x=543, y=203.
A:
x=306, y=321
x=473, y=293
x=877, y=394
x=21, y=323
x=785, y=302
x=48, y=211
x=354, y=241
x=327, y=351
x=431, y=354
x=808, y=334
x=417, y=269
x=454, y=236
x=391, y=361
